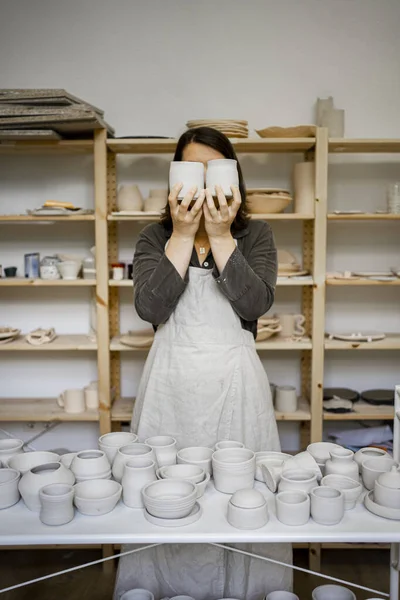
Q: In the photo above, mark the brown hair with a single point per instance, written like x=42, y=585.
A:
x=219, y=142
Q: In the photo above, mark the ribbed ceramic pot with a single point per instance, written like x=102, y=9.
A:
x=133, y=452
x=90, y=464
x=8, y=448
x=9, y=493
x=38, y=477
x=342, y=463
x=134, y=479
x=56, y=502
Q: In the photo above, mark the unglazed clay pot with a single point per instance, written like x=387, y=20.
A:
x=90, y=464
x=110, y=442
x=9, y=493
x=134, y=479
x=369, y=452
x=165, y=450
x=327, y=505
x=342, y=463
x=134, y=452
x=38, y=477
x=27, y=460
x=56, y=502
x=8, y=448
x=129, y=198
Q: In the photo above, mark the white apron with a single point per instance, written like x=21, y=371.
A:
x=204, y=382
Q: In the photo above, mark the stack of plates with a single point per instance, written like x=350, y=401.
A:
x=8, y=334
x=230, y=127
x=288, y=265
x=267, y=200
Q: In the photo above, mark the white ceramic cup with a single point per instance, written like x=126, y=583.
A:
x=293, y=508
x=332, y=592
x=164, y=447
x=190, y=174
x=292, y=325
x=285, y=399
x=69, y=269
x=327, y=505
x=138, y=594
x=72, y=401
x=222, y=172
x=91, y=398
x=282, y=595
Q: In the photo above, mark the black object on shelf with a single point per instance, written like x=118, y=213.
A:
x=378, y=397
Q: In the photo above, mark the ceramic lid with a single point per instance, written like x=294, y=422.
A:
x=248, y=499
x=390, y=480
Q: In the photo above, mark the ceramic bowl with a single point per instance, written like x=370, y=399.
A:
x=303, y=460
x=320, y=451
x=369, y=452
x=9, y=447
x=97, y=497
x=132, y=452
x=233, y=469
x=350, y=488
x=267, y=454
x=28, y=460
x=332, y=592
x=371, y=468
x=196, y=455
x=164, y=447
x=327, y=505
x=90, y=464
x=110, y=442
x=297, y=480
x=169, y=498
x=266, y=204
x=137, y=594
x=202, y=485
x=272, y=471
x=228, y=444
x=182, y=471
x=9, y=493
x=281, y=595
x=247, y=509
x=293, y=507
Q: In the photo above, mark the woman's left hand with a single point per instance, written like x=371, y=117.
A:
x=218, y=221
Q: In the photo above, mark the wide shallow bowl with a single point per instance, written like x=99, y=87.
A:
x=320, y=451
x=90, y=464
x=97, y=497
x=350, y=488
x=182, y=471
x=332, y=592
x=373, y=467
x=369, y=452
x=9, y=493
x=169, y=498
x=28, y=460
x=266, y=204
x=267, y=454
x=196, y=455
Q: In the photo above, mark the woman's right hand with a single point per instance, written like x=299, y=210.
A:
x=185, y=222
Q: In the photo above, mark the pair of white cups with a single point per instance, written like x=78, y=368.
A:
x=324, y=504
x=222, y=172
x=78, y=400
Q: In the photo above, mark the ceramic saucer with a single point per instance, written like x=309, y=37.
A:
x=380, y=511
x=191, y=518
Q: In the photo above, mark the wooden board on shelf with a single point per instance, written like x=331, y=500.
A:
x=32, y=219
x=362, y=412
x=272, y=344
x=21, y=282
x=364, y=217
x=62, y=342
x=40, y=409
x=360, y=282
x=379, y=145
x=48, y=147
x=390, y=342
x=167, y=146
x=256, y=217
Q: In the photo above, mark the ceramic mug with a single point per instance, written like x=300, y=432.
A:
x=292, y=325
x=72, y=401
x=222, y=172
x=327, y=505
x=332, y=592
x=91, y=398
x=137, y=594
x=282, y=595
x=285, y=399
x=190, y=174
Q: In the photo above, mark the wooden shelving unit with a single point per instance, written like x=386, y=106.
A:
x=361, y=282
x=21, y=282
x=46, y=218
x=61, y=343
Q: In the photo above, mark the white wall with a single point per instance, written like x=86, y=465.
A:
x=152, y=65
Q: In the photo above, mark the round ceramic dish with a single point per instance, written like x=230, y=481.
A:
x=192, y=517
x=28, y=460
x=169, y=498
x=350, y=488
x=9, y=493
x=260, y=456
x=196, y=455
x=97, y=497
x=380, y=511
x=189, y=472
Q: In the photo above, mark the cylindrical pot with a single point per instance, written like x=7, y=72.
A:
x=9, y=493
x=90, y=464
x=8, y=448
x=297, y=480
x=304, y=187
x=164, y=447
x=222, y=172
x=134, y=479
x=327, y=505
x=56, y=502
x=293, y=508
x=332, y=592
x=38, y=477
x=190, y=174
x=110, y=442
x=342, y=463
x=233, y=469
x=134, y=452
x=129, y=198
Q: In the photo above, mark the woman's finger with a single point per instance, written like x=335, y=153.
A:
x=223, y=205
x=187, y=200
x=237, y=199
x=173, y=195
x=212, y=210
x=198, y=204
x=206, y=212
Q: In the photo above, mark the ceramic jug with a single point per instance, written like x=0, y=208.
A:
x=342, y=463
x=56, y=502
x=134, y=479
x=8, y=448
x=33, y=481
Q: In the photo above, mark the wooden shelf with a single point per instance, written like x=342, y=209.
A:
x=362, y=282
x=363, y=412
x=31, y=219
x=62, y=342
x=40, y=409
x=391, y=342
x=256, y=217
x=21, y=282
x=345, y=145
x=47, y=147
x=122, y=408
x=282, y=281
x=273, y=344
x=256, y=144
x=364, y=217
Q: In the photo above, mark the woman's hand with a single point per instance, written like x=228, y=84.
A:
x=218, y=221
x=185, y=222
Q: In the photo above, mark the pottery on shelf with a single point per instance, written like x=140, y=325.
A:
x=247, y=509
x=327, y=505
x=332, y=592
x=28, y=460
x=72, y=401
x=129, y=198
x=387, y=489
x=8, y=448
x=297, y=480
x=304, y=187
x=97, y=497
x=134, y=479
x=110, y=442
x=368, y=452
x=350, y=488
x=164, y=447
x=233, y=469
x=169, y=498
x=33, y=481
x=342, y=463
x=90, y=464
x=373, y=467
x=56, y=504
x=293, y=507
x=136, y=453
x=69, y=269
x=9, y=493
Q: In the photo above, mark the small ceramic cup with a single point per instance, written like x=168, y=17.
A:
x=110, y=442
x=296, y=479
x=137, y=594
x=164, y=447
x=69, y=269
x=72, y=401
x=282, y=595
x=373, y=467
x=222, y=172
x=327, y=505
x=293, y=508
x=285, y=399
x=9, y=493
x=190, y=174
x=56, y=501
x=332, y=592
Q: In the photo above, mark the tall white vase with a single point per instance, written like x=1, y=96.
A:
x=133, y=481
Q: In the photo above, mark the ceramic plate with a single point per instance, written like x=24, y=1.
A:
x=191, y=518
x=357, y=337
x=8, y=332
x=343, y=393
x=348, y=212
x=292, y=273
x=380, y=511
x=373, y=274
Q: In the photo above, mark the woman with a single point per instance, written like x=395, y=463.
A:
x=202, y=277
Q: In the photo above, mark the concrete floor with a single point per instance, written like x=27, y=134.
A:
x=365, y=567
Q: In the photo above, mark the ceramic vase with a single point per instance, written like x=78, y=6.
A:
x=38, y=477
x=304, y=187
x=342, y=463
x=129, y=198
x=8, y=448
x=134, y=479
x=56, y=502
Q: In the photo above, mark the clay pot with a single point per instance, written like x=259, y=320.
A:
x=134, y=479
x=8, y=448
x=9, y=493
x=129, y=198
x=342, y=463
x=304, y=187
x=38, y=477
x=56, y=502
x=90, y=464
x=110, y=442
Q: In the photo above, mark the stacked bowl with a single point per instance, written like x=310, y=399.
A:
x=233, y=469
x=169, y=498
x=192, y=473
